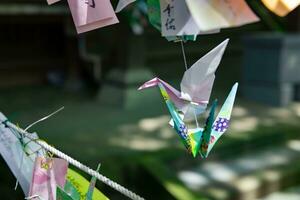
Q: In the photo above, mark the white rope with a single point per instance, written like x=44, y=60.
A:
x=76, y=163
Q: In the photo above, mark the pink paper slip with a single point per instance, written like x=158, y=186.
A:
x=52, y=1
x=92, y=14
x=47, y=175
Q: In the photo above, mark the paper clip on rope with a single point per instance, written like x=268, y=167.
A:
x=75, y=163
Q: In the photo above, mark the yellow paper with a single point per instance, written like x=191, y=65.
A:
x=82, y=185
x=281, y=7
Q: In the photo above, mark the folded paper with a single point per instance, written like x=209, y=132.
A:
x=52, y=1
x=281, y=7
x=89, y=194
x=48, y=173
x=19, y=154
x=201, y=140
x=217, y=14
x=83, y=186
x=196, y=84
x=122, y=4
x=68, y=192
x=92, y=14
x=176, y=19
x=196, y=87
x=62, y=195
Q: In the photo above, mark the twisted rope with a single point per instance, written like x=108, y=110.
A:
x=76, y=163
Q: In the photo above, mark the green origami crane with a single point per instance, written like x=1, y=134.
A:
x=201, y=140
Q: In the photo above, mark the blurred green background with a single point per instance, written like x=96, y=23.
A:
x=45, y=65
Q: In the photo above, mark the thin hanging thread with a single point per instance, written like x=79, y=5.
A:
x=186, y=68
x=197, y=124
x=44, y=118
x=183, y=53
x=75, y=163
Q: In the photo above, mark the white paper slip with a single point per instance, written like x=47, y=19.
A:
x=217, y=14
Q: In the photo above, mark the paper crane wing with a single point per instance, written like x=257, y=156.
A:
x=197, y=81
x=172, y=92
x=221, y=123
x=208, y=130
x=122, y=4
x=191, y=138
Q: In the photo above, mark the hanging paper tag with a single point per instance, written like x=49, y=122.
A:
x=281, y=7
x=92, y=14
x=217, y=14
x=176, y=19
x=48, y=173
x=52, y=1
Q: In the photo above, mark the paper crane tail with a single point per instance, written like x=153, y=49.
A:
x=221, y=123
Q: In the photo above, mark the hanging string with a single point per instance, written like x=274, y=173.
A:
x=75, y=163
x=195, y=114
x=43, y=119
x=183, y=53
x=186, y=68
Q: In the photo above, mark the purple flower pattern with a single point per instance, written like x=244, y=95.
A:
x=221, y=125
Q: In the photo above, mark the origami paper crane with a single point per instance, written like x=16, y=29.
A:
x=201, y=140
x=281, y=7
x=196, y=84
